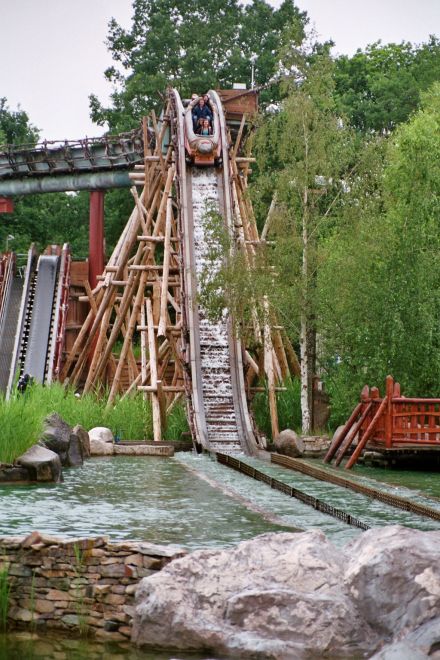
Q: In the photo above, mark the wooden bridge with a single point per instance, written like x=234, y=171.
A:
x=391, y=424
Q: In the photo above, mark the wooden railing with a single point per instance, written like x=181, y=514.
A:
x=391, y=422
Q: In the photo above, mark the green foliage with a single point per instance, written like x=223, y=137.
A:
x=288, y=404
x=21, y=425
x=193, y=45
x=49, y=219
x=380, y=88
x=379, y=287
x=15, y=127
x=22, y=417
x=5, y=589
x=177, y=423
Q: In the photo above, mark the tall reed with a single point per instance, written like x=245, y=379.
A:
x=22, y=417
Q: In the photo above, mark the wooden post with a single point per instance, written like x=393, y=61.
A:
x=155, y=404
x=389, y=412
x=368, y=433
x=335, y=446
x=268, y=367
x=166, y=266
x=143, y=350
x=128, y=336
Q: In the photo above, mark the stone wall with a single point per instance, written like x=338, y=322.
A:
x=84, y=585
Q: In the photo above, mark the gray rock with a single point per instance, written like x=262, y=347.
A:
x=393, y=575
x=100, y=447
x=289, y=444
x=74, y=456
x=101, y=433
x=84, y=439
x=275, y=596
x=400, y=651
x=13, y=473
x=56, y=435
x=424, y=642
x=427, y=636
x=42, y=464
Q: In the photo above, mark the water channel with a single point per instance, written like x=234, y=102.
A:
x=191, y=501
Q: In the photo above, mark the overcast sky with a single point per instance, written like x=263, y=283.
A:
x=53, y=55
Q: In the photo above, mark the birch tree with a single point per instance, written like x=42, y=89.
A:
x=304, y=153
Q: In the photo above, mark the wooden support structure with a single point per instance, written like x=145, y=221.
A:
x=138, y=299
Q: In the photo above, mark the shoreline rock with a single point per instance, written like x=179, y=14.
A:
x=284, y=595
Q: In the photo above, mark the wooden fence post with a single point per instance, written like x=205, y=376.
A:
x=389, y=412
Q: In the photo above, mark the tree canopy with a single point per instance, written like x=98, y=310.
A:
x=194, y=45
x=380, y=87
x=15, y=127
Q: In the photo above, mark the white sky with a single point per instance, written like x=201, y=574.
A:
x=52, y=52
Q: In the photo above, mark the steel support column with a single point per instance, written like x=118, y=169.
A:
x=96, y=236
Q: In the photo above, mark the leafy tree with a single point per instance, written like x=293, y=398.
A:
x=193, y=45
x=303, y=152
x=15, y=127
x=48, y=219
x=380, y=284
x=380, y=88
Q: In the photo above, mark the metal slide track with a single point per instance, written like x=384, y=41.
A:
x=217, y=401
x=10, y=308
x=41, y=321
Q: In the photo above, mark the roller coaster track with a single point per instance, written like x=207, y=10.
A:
x=218, y=409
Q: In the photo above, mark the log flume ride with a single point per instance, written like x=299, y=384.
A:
x=217, y=402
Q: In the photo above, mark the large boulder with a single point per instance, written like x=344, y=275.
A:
x=101, y=433
x=58, y=437
x=289, y=443
x=278, y=595
x=424, y=642
x=41, y=463
x=393, y=576
x=101, y=441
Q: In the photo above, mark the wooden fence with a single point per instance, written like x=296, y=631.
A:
x=391, y=422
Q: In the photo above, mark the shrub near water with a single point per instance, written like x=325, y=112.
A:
x=22, y=417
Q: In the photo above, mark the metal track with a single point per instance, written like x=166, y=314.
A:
x=22, y=326
x=218, y=409
x=41, y=318
x=387, y=498
x=10, y=308
x=276, y=484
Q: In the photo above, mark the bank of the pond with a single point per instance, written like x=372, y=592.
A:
x=84, y=585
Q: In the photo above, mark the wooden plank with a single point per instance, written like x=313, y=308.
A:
x=157, y=431
x=166, y=271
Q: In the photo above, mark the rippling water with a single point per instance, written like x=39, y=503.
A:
x=189, y=500
x=126, y=497
x=31, y=646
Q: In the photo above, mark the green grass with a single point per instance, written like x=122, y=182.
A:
x=22, y=417
x=288, y=404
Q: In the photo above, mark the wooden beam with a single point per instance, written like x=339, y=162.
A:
x=157, y=431
x=166, y=271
